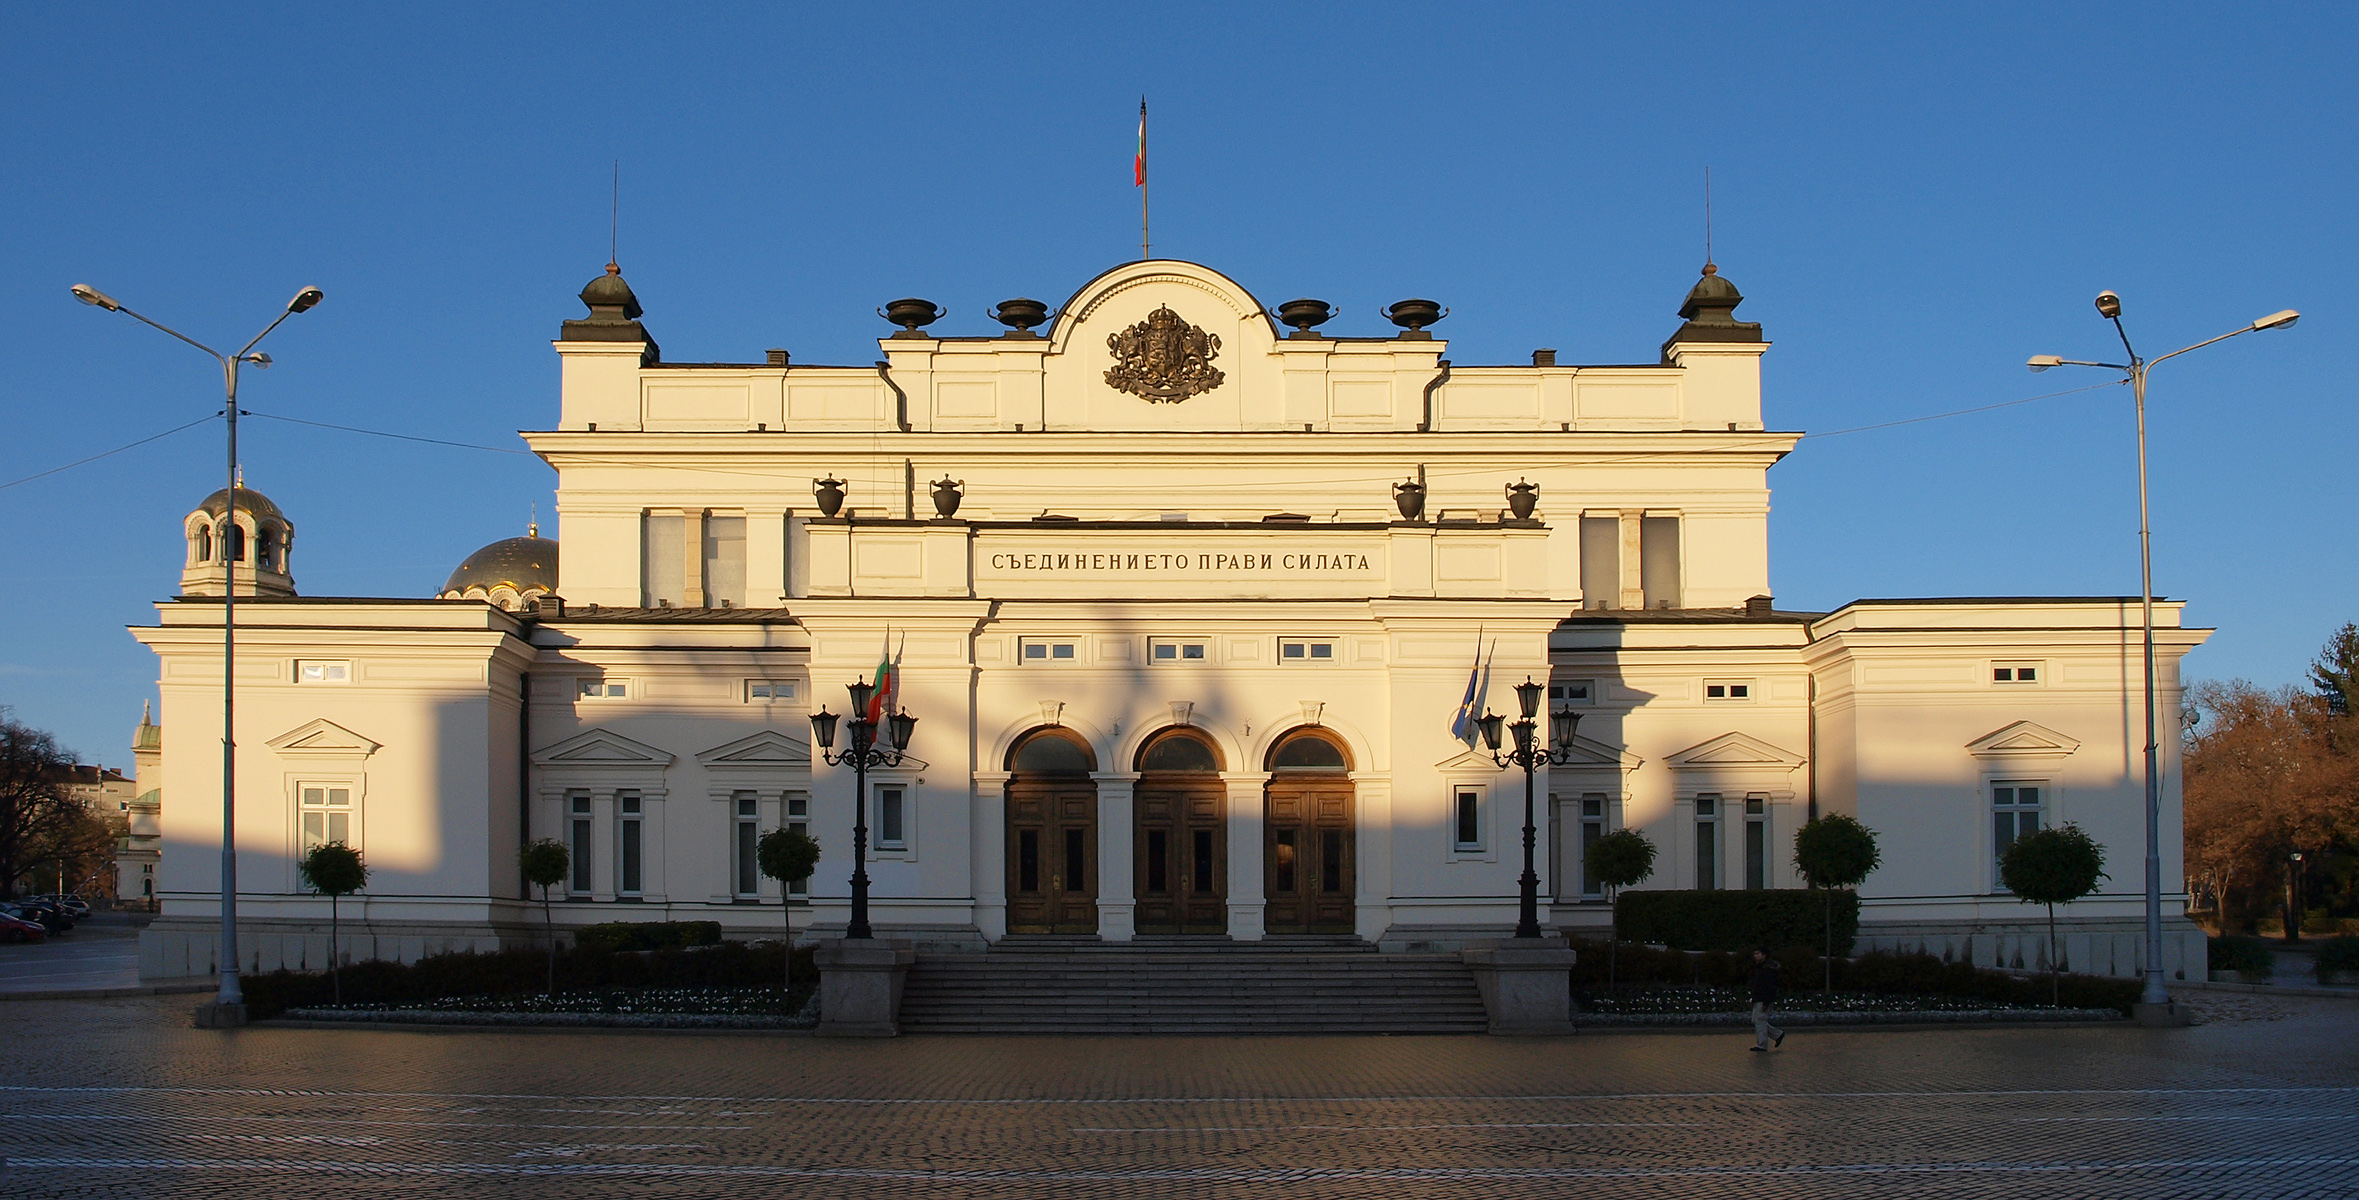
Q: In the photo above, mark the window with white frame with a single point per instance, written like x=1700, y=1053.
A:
x=327, y=814
x=1707, y=842
x=1170, y=652
x=1305, y=650
x=1728, y=689
x=769, y=691
x=322, y=670
x=892, y=818
x=2016, y=808
x=604, y=688
x=1592, y=831
x=1044, y=651
x=629, y=844
x=1466, y=818
x=2017, y=672
x=747, y=808
x=577, y=808
x=1756, y=842
x=798, y=818
x=1572, y=691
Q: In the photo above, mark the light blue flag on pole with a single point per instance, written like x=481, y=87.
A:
x=1462, y=725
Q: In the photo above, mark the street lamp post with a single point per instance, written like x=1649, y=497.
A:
x=2109, y=306
x=1529, y=754
x=230, y=994
x=861, y=755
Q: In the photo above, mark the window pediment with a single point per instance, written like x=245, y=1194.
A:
x=2023, y=739
x=322, y=739
x=768, y=748
x=601, y=747
x=1736, y=750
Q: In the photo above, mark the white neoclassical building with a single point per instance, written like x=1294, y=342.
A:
x=1185, y=596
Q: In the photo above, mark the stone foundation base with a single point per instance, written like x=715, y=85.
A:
x=2114, y=946
x=213, y=1014
x=860, y=981
x=1526, y=984
x=2162, y=1016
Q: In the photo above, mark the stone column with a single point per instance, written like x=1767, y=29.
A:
x=989, y=854
x=1248, y=893
x=1117, y=889
x=1633, y=566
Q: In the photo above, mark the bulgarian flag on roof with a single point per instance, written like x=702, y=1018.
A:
x=888, y=684
x=1138, y=167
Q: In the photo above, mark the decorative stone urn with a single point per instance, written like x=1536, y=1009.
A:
x=1410, y=498
x=1020, y=315
x=830, y=492
x=911, y=314
x=1414, y=315
x=1303, y=315
x=946, y=496
x=1522, y=498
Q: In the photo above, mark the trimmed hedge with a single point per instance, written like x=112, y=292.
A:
x=509, y=972
x=648, y=935
x=1737, y=920
x=2249, y=954
x=2339, y=954
x=1882, y=972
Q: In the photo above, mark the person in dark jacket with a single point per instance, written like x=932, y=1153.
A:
x=1765, y=1035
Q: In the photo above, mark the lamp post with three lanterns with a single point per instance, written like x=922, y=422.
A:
x=1529, y=754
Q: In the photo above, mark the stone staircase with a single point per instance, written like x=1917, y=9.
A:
x=1190, y=985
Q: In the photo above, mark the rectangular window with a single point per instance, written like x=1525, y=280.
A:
x=1756, y=842
x=1166, y=652
x=578, y=805
x=1466, y=819
x=1592, y=829
x=327, y=814
x=724, y=562
x=313, y=670
x=1727, y=689
x=891, y=830
x=1201, y=865
x=1707, y=842
x=1572, y=691
x=1658, y=561
x=798, y=809
x=749, y=839
x=2021, y=672
x=1050, y=650
x=1076, y=860
x=1601, y=562
x=1282, y=860
x=1299, y=650
x=1158, y=862
x=628, y=845
x=768, y=691
x=663, y=558
x=604, y=689
x=2015, y=809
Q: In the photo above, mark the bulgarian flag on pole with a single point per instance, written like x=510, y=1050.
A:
x=1138, y=167
x=888, y=682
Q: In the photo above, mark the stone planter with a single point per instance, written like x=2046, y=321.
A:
x=1527, y=984
x=860, y=983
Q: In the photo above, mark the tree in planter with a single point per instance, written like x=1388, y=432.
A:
x=2053, y=866
x=544, y=864
x=786, y=855
x=1616, y=861
x=334, y=870
x=1835, y=851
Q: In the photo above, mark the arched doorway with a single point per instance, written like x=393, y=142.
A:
x=1181, y=834
x=1052, y=835
x=1308, y=847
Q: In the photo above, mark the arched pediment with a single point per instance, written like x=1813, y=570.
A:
x=1144, y=286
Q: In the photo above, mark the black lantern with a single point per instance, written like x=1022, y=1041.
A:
x=1531, y=756
x=861, y=690
x=1492, y=724
x=1562, y=724
x=823, y=728
x=862, y=754
x=903, y=726
x=1527, y=695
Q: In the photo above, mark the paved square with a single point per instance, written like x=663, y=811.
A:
x=120, y=1098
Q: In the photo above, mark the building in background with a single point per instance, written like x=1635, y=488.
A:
x=1185, y=600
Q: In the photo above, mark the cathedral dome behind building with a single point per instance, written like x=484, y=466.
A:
x=216, y=547
x=510, y=573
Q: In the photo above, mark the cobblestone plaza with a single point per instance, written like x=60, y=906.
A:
x=120, y=1098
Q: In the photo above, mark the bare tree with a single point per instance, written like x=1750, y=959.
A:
x=40, y=816
x=2267, y=772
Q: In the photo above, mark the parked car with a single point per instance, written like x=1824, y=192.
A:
x=74, y=906
x=16, y=927
x=51, y=917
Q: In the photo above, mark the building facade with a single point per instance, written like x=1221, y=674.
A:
x=1185, y=600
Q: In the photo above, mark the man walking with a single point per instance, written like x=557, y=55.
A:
x=1765, y=1035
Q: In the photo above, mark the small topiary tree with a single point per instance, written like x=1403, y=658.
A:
x=1616, y=861
x=2053, y=866
x=334, y=870
x=1835, y=851
x=786, y=855
x=544, y=864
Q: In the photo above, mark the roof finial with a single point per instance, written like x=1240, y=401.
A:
x=532, y=528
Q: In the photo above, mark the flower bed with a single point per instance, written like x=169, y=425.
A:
x=520, y=977
x=658, y=1007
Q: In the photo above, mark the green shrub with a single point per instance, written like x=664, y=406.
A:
x=2249, y=954
x=507, y=972
x=1737, y=921
x=1880, y=972
x=648, y=935
x=2339, y=954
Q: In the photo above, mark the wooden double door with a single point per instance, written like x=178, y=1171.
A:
x=1052, y=847
x=1309, y=852
x=1180, y=846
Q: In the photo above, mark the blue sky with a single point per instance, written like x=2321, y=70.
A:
x=1913, y=200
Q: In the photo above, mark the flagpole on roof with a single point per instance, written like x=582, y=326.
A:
x=1140, y=174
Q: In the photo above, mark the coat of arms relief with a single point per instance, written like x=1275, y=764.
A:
x=1164, y=359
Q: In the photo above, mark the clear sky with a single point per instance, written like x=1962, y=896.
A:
x=1913, y=198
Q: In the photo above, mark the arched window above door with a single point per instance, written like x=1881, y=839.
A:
x=1179, y=750
x=1309, y=750
x=1051, y=752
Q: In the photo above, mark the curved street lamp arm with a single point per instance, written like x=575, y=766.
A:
x=2200, y=345
x=217, y=355
x=257, y=337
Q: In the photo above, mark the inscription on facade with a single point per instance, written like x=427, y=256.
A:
x=1196, y=563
